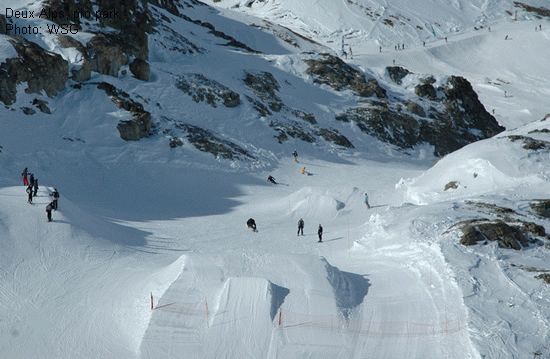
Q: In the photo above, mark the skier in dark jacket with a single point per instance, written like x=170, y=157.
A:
x=320, y=233
x=55, y=196
x=251, y=223
x=31, y=180
x=29, y=192
x=49, y=208
x=24, y=174
x=295, y=155
x=271, y=179
x=35, y=186
x=300, y=227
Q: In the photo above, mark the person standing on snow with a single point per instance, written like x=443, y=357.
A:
x=55, y=197
x=303, y=170
x=300, y=227
x=367, y=200
x=320, y=233
x=24, y=174
x=251, y=223
x=35, y=186
x=271, y=179
x=29, y=192
x=295, y=155
x=49, y=208
x=31, y=180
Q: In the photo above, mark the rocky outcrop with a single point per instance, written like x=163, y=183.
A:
x=40, y=69
x=454, y=119
x=84, y=71
x=538, y=11
x=541, y=207
x=203, y=89
x=397, y=73
x=42, y=106
x=451, y=185
x=332, y=135
x=3, y=23
x=206, y=141
x=475, y=231
x=530, y=143
x=332, y=71
x=140, y=124
x=294, y=130
x=265, y=86
x=141, y=70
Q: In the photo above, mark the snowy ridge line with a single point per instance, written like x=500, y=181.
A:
x=287, y=320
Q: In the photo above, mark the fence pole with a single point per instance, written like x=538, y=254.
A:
x=206, y=306
x=152, y=307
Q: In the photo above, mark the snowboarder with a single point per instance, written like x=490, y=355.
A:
x=271, y=179
x=31, y=180
x=320, y=233
x=29, y=192
x=505, y=94
x=446, y=39
x=303, y=170
x=424, y=43
x=35, y=186
x=300, y=227
x=24, y=174
x=49, y=208
x=55, y=197
x=367, y=200
x=350, y=53
x=251, y=223
x=295, y=155
x=394, y=61
x=380, y=49
x=540, y=27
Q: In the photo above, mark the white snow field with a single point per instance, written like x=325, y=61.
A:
x=137, y=219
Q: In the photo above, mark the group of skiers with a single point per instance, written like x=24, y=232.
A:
x=251, y=223
x=31, y=182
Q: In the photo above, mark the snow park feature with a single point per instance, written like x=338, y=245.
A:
x=415, y=134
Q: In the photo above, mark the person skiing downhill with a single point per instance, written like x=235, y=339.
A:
x=367, y=200
x=49, y=208
x=24, y=174
x=300, y=227
x=251, y=223
x=295, y=155
x=320, y=233
x=271, y=179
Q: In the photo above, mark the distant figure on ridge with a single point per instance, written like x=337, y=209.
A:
x=55, y=197
x=367, y=200
x=300, y=227
x=35, y=186
x=251, y=223
x=31, y=179
x=320, y=233
x=24, y=174
x=271, y=179
x=29, y=192
x=49, y=208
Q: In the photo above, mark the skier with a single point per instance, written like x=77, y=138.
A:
x=303, y=170
x=350, y=53
x=367, y=200
x=49, y=208
x=24, y=175
x=271, y=179
x=29, y=192
x=55, y=197
x=424, y=43
x=446, y=39
x=35, y=186
x=506, y=37
x=320, y=233
x=300, y=227
x=380, y=49
x=295, y=155
x=31, y=180
x=251, y=223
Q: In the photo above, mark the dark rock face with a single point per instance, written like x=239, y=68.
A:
x=3, y=23
x=538, y=11
x=140, y=125
x=545, y=277
x=41, y=69
x=42, y=106
x=140, y=69
x=206, y=141
x=286, y=130
x=451, y=185
x=530, y=143
x=454, y=119
x=397, y=73
x=481, y=231
x=332, y=135
x=265, y=86
x=85, y=71
x=541, y=207
x=203, y=89
x=332, y=71
x=109, y=54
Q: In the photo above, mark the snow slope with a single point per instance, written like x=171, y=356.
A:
x=139, y=218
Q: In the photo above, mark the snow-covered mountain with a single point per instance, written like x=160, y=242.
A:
x=159, y=120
